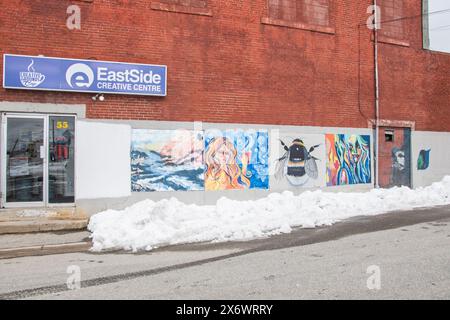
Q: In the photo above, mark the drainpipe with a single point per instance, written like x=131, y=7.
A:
x=377, y=97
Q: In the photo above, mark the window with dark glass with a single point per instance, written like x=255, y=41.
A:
x=61, y=162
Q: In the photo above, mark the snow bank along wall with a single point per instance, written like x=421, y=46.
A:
x=202, y=162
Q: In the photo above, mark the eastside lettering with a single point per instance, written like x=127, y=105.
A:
x=133, y=76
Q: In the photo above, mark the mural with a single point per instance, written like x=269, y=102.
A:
x=398, y=167
x=301, y=161
x=348, y=159
x=423, y=162
x=166, y=160
x=401, y=159
x=236, y=159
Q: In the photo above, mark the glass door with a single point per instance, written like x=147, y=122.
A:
x=24, y=160
x=61, y=159
x=38, y=160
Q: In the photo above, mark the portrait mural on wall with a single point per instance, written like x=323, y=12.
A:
x=301, y=160
x=348, y=159
x=236, y=159
x=401, y=159
x=167, y=160
x=398, y=175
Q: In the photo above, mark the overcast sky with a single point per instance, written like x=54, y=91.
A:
x=439, y=25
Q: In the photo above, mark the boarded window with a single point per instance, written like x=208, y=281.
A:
x=392, y=25
x=187, y=3
x=316, y=12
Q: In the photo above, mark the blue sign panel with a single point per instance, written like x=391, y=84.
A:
x=57, y=74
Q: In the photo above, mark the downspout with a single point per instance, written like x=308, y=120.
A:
x=377, y=97
x=425, y=25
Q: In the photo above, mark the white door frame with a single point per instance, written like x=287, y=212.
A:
x=45, y=118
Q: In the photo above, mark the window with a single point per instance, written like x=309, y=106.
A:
x=436, y=26
x=187, y=3
x=389, y=135
x=313, y=12
x=392, y=26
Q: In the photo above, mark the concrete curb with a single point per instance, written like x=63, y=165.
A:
x=42, y=250
x=42, y=225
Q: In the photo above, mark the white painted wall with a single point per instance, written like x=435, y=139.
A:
x=102, y=164
x=439, y=167
x=96, y=203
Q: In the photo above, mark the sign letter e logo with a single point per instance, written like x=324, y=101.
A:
x=79, y=75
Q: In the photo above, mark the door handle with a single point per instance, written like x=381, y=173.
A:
x=42, y=152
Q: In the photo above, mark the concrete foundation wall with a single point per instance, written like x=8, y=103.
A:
x=92, y=206
x=439, y=164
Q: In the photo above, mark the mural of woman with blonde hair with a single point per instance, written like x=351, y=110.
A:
x=222, y=169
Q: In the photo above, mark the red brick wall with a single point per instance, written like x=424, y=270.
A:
x=230, y=67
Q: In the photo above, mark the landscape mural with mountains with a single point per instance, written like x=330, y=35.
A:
x=166, y=160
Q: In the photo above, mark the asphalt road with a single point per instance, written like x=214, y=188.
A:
x=401, y=255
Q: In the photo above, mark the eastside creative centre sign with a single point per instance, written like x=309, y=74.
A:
x=58, y=74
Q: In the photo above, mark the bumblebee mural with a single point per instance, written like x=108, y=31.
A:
x=298, y=160
x=348, y=159
x=297, y=164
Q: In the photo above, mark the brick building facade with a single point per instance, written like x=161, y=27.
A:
x=231, y=61
x=297, y=63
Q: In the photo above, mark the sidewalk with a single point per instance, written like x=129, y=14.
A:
x=43, y=243
x=40, y=231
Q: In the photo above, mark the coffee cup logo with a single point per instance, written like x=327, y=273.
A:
x=31, y=79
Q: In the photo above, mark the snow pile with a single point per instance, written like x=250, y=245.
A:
x=148, y=224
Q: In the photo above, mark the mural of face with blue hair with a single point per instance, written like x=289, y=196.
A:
x=355, y=148
x=353, y=153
